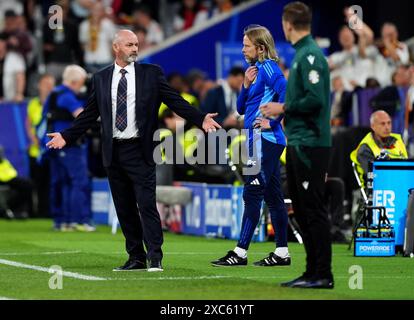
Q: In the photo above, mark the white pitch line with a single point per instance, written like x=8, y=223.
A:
x=38, y=253
x=93, y=278
x=48, y=270
x=171, y=278
x=6, y=298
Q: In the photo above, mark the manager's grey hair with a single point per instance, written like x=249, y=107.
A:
x=118, y=35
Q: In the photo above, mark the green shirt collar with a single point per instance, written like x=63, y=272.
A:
x=303, y=42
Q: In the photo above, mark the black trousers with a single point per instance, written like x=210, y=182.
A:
x=306, y=173
x=132, y=181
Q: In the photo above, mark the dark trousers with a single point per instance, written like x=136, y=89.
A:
x=265, y=186
x=70, y=186
x=306, y=173
x=132, y=181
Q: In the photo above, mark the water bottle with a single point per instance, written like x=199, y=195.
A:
x=361, y=231
x=385, y=230
x=373, y=231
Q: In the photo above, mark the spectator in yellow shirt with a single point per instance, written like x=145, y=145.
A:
x=39, y=172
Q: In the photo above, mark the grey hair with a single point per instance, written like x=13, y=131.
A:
x=73, y=73
x=117, y=35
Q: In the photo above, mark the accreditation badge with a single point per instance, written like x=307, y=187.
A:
x=313, y=76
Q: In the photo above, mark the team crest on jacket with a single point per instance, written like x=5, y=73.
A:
x=311, y=58
x=313, y=76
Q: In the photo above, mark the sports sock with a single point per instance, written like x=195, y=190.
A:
x=242, y=253
x=282, y=252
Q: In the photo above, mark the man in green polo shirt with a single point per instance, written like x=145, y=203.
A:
x=307, y=127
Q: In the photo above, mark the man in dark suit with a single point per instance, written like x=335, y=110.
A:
x=127, y=96
x=223, y=99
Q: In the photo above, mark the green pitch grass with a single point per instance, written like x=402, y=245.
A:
x=187, y=275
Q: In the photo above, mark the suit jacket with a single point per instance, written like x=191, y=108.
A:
x=151, y=89
x=216, y=102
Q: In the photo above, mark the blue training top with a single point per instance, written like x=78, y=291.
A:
x=68, y=100
x=269, y=85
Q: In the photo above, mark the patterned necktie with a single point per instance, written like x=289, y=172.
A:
x=121, y=102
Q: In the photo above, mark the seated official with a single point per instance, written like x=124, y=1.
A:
x=380, y=143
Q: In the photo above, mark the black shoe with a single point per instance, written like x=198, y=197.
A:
x=315, y=284
x=155, y=266
x=297, y=281
x=132, y=265
x=231, y=259
x=273, y=260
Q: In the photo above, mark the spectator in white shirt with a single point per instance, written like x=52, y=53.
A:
x=12, y=72
x=142, y=17
x=391, y=53
x=96, y=34
x=354, y=64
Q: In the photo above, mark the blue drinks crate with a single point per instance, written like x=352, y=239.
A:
x=374, y=247
x=374, y=239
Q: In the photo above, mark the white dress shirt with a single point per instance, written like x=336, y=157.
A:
x=131, y=131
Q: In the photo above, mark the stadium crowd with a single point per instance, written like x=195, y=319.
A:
x=371, y=72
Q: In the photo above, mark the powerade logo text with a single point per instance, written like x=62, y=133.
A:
x=374, y=248
x=384, y=248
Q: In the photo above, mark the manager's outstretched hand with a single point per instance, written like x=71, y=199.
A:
x=272, y=109
x=209, y=125
x=57, y=141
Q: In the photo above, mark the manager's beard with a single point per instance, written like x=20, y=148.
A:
x=131, y=58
